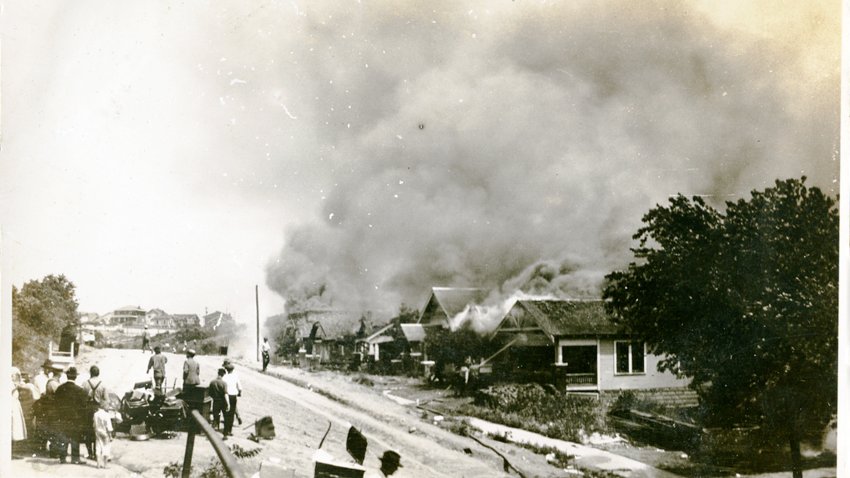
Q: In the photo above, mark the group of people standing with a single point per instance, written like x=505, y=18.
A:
x=224, y=390
x=68, y=411
x=191, y=369
x=63, y=413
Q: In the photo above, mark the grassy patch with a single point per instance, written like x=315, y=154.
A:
x=214, y=468
x=538, y=409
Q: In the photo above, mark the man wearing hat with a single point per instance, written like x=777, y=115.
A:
x=45, y=411
x=390, y=462
x=234, y=390
x=56, y=377
x=73, y=416
x=40, y=379
x=191, y=371
x=228, y=366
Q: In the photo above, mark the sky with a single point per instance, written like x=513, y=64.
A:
x=352, y=155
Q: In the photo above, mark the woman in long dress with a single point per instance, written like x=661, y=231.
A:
x=19, y=426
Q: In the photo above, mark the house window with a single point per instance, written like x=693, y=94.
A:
x=630, y=357
x=578, y=359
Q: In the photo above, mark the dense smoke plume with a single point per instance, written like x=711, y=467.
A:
x=517, y=148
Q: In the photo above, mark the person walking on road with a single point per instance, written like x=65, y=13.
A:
x=146, y=341
x=191, y=371
x=157, y=363
x=234, y=390
x=266, y=353
x=73, y=415
x=217, y=390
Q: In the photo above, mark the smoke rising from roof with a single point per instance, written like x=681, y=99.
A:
x=517, y=148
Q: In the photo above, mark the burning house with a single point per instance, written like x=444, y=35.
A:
x=445, y=303
x=316, y=336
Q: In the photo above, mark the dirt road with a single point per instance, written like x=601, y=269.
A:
x=301, y=418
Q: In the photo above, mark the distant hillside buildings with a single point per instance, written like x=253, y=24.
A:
x=132, y=320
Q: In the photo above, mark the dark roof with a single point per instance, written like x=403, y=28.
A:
x=570, y=317
x=454, y=299
x=335, y=323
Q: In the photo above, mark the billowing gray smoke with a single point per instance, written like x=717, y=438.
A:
x=519, y=148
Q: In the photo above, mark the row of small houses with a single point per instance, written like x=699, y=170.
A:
x=573, y=343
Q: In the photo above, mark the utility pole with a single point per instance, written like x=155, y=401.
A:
x=257, y=302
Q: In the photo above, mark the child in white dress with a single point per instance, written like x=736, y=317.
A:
x=103, y=435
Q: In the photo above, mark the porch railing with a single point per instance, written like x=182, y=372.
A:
x=580, y=379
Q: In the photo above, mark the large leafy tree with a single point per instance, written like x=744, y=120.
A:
x=745, y=302
x=40, y=310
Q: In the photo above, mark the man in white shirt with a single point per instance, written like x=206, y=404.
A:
x=266, y=348
x=40, y=379
x=234, y=390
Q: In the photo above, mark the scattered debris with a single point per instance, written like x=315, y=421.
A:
x=506, y=465
x=356, y=445
x=263, y=428
x=596, y=438
x=397, y=399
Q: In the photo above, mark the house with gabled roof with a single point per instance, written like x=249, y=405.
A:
x=372, y=343
x=447, y=302
x=575, y=345
x=322, y=335
x=159, y=319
